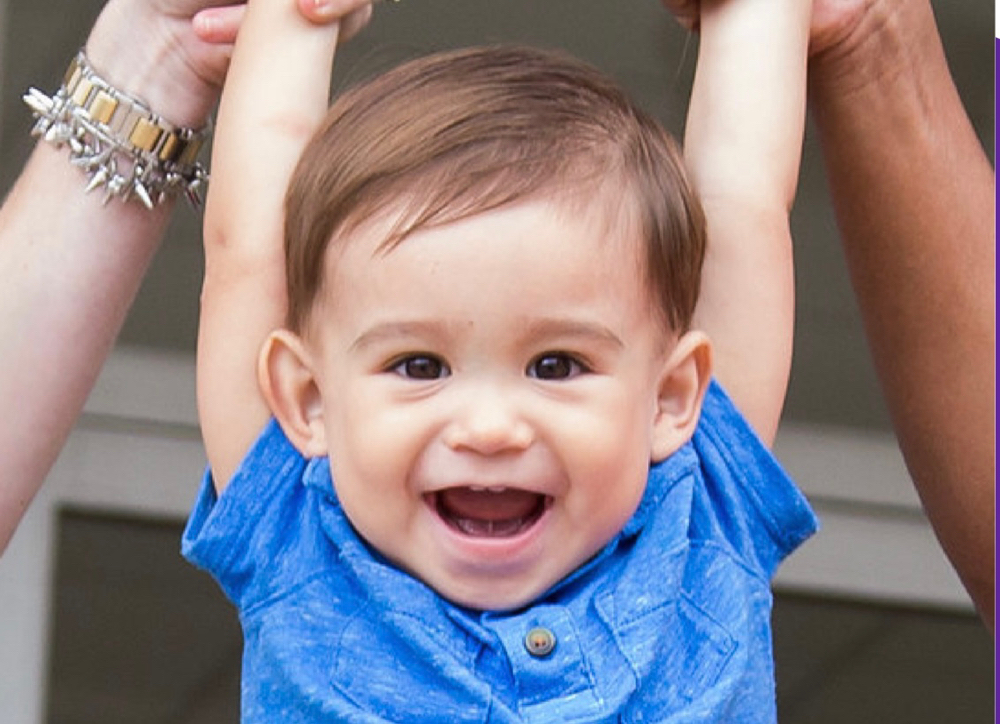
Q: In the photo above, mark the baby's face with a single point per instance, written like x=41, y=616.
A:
x=489, y=395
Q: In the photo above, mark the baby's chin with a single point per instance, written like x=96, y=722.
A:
x=493, y=593
x=500, y=598
x=499, y=594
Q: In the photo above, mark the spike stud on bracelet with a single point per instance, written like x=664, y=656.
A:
x=117, y=141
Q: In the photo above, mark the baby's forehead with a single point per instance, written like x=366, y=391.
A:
x=533, y=278
x=605, y=215
x=607, y=204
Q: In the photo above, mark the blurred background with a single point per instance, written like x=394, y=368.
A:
x=102, y=621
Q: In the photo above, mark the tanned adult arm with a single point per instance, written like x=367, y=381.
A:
x=914, y=192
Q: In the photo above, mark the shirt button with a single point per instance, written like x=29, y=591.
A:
x=540, y=642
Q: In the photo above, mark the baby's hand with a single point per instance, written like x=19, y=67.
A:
x=352, y=14
x=219, y=25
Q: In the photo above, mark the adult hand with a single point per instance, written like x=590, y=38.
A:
x=173, y=54
x=834, y=22
x=149, y=49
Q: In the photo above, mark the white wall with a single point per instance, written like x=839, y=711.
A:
x=135, y=450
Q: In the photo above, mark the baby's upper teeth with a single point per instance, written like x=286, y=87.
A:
x=487, y=488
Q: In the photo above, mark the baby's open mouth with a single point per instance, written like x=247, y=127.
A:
x=489, y=512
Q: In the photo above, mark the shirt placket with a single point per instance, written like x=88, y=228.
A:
x=551, y=674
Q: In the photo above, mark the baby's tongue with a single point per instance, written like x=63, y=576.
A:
x=487, y=513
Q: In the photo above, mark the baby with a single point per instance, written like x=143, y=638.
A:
x=498, y=483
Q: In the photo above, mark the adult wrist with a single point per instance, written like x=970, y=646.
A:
x=117, y=141
x=168, y=97
x=881, y=46
x=142, y=54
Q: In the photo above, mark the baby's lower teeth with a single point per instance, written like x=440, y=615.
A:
x=488, y=528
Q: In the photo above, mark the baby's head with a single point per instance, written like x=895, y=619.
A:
x=492, y=259
x=454, y=134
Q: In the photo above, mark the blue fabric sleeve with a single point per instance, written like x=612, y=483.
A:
x=758, y=509
x=234, y=536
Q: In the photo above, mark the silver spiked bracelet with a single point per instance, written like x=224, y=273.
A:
x=120, y=144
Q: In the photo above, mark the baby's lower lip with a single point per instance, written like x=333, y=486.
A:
x=489, y=513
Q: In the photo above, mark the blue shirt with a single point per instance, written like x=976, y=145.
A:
x=669, y=622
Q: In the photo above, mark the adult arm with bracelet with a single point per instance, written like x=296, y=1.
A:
x=70, y=264
x=914, y=196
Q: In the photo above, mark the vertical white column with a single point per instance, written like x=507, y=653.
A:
x=26, y=574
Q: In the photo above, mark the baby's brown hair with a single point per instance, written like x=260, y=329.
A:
x=457, y=133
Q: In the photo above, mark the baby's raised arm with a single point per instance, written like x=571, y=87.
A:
x=275, y=96
x=743, y=145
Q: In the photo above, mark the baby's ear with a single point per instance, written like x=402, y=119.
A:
x=683, y=381
x=285, y=372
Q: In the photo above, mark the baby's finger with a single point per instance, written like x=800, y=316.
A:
x=325, y=11
x=218, y=25
x=354, y=22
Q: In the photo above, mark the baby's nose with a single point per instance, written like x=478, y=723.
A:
x=489, y=423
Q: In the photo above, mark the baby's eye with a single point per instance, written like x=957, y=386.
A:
x=555, y=366
x=421, y=367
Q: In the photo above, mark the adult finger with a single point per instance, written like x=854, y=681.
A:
x=218, y=25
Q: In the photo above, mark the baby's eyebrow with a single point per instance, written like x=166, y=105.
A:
x=391, y=330
x=541, y=329
x=535, y=331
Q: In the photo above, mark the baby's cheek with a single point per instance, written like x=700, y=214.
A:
x=384, y=446
x=610, y=476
